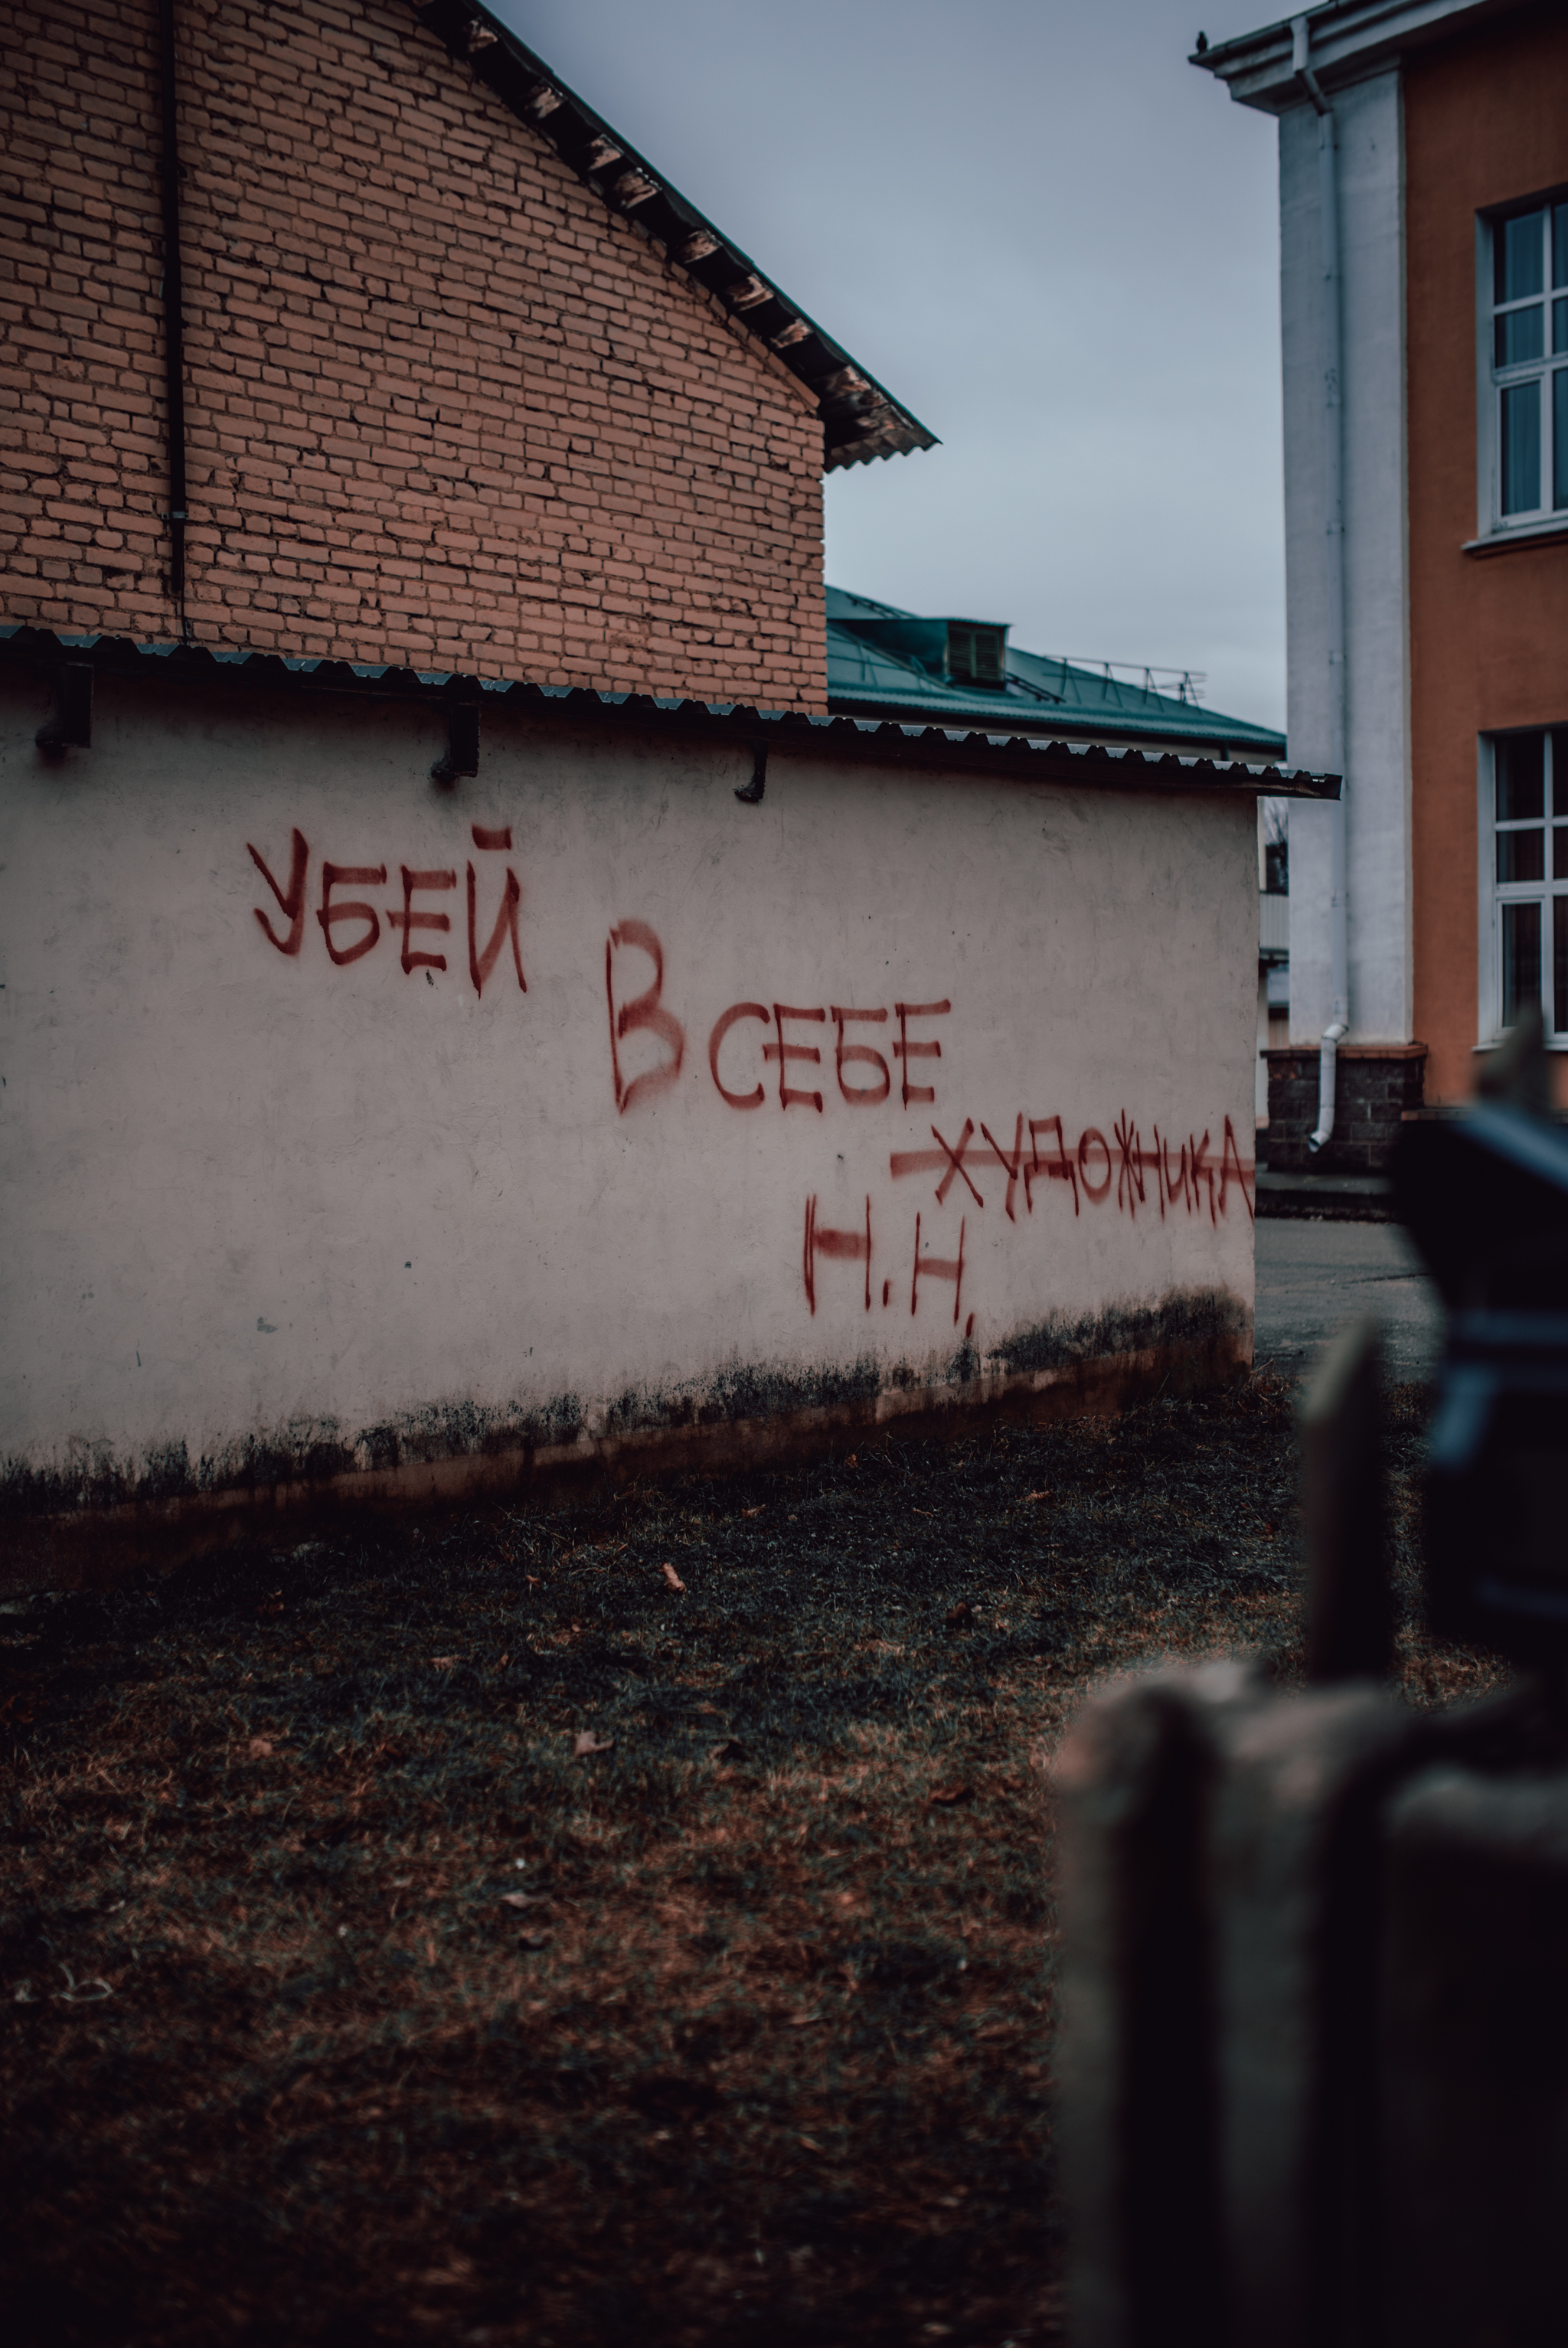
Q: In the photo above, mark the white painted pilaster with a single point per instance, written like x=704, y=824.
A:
x=1371, y=209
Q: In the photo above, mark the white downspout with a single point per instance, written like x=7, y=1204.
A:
x=1334, y=550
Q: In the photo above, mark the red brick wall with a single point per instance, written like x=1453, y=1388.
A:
x=443, y=407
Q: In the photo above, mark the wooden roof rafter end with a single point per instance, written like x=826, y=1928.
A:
x=860, y=419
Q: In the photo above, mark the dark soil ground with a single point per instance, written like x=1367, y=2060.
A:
x=632, y=1925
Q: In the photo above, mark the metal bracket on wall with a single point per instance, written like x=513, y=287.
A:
x=752, y=791
x=462, y=755
x=69, y=725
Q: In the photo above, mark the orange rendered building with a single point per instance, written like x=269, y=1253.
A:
x=1424, y=303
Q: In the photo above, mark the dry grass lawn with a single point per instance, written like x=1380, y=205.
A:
x=629, y=1925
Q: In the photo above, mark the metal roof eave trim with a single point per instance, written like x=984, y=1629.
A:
x=856, y=739
x=1350, y=39
x=860, y=418
x=1062, y=721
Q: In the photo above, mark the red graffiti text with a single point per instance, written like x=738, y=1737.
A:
x=789, y=1052
x=361, y=920
x=643, y=1014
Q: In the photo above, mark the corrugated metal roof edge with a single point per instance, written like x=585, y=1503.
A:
x=1203, y=724
x=875, y=742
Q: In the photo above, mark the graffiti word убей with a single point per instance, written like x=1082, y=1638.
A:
x=361, y=920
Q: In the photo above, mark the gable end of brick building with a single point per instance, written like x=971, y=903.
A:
x=443, y=407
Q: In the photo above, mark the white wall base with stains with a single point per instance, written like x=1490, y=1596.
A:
x=292, y=1206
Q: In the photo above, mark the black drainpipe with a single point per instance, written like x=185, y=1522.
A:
x=173, y=317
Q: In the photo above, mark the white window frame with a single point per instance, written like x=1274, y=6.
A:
x=1492, y=381
x=1496, y=893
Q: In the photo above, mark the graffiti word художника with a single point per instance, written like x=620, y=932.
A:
x=1143, y=1178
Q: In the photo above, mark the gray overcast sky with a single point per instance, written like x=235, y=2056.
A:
x=1048, y=236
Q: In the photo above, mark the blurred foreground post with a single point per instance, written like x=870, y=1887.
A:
x=1136, y=2076
x=1350, y=1622
x=1314, y=2064
x=1219, y=1897
x=1475, y=2054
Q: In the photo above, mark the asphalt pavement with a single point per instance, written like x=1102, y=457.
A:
x=1311, y=1277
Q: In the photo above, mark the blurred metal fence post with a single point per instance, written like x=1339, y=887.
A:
x=1138, y=2062
x=1350, y=1623
x=1296, y=1899
x=1476, y=2062
x=1296, y=1860
x=1222, y=1885
x=1320, y=1939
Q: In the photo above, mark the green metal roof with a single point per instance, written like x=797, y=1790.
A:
x=1052, y=698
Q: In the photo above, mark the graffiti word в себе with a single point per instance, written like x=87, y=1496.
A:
x=361, y=920
x=862, y=1092
x=862, y=1071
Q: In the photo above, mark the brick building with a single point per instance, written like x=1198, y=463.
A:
x=473, y=1014
x=442, y=373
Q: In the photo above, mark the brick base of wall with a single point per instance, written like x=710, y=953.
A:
x=1375, y=1085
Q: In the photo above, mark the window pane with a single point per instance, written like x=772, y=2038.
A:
x=1520, y=958
x=1519, y=257
x=1522, y=447
x=1560, y=325
x=1560, y=245
x=1560, y=851
x=1560, y=443
x=1560, y=963
x=1521, y=777
x=1522, y=856
x=1521, y=335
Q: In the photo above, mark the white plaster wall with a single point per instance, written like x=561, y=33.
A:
x=247, y=1194
x=1376, y=761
